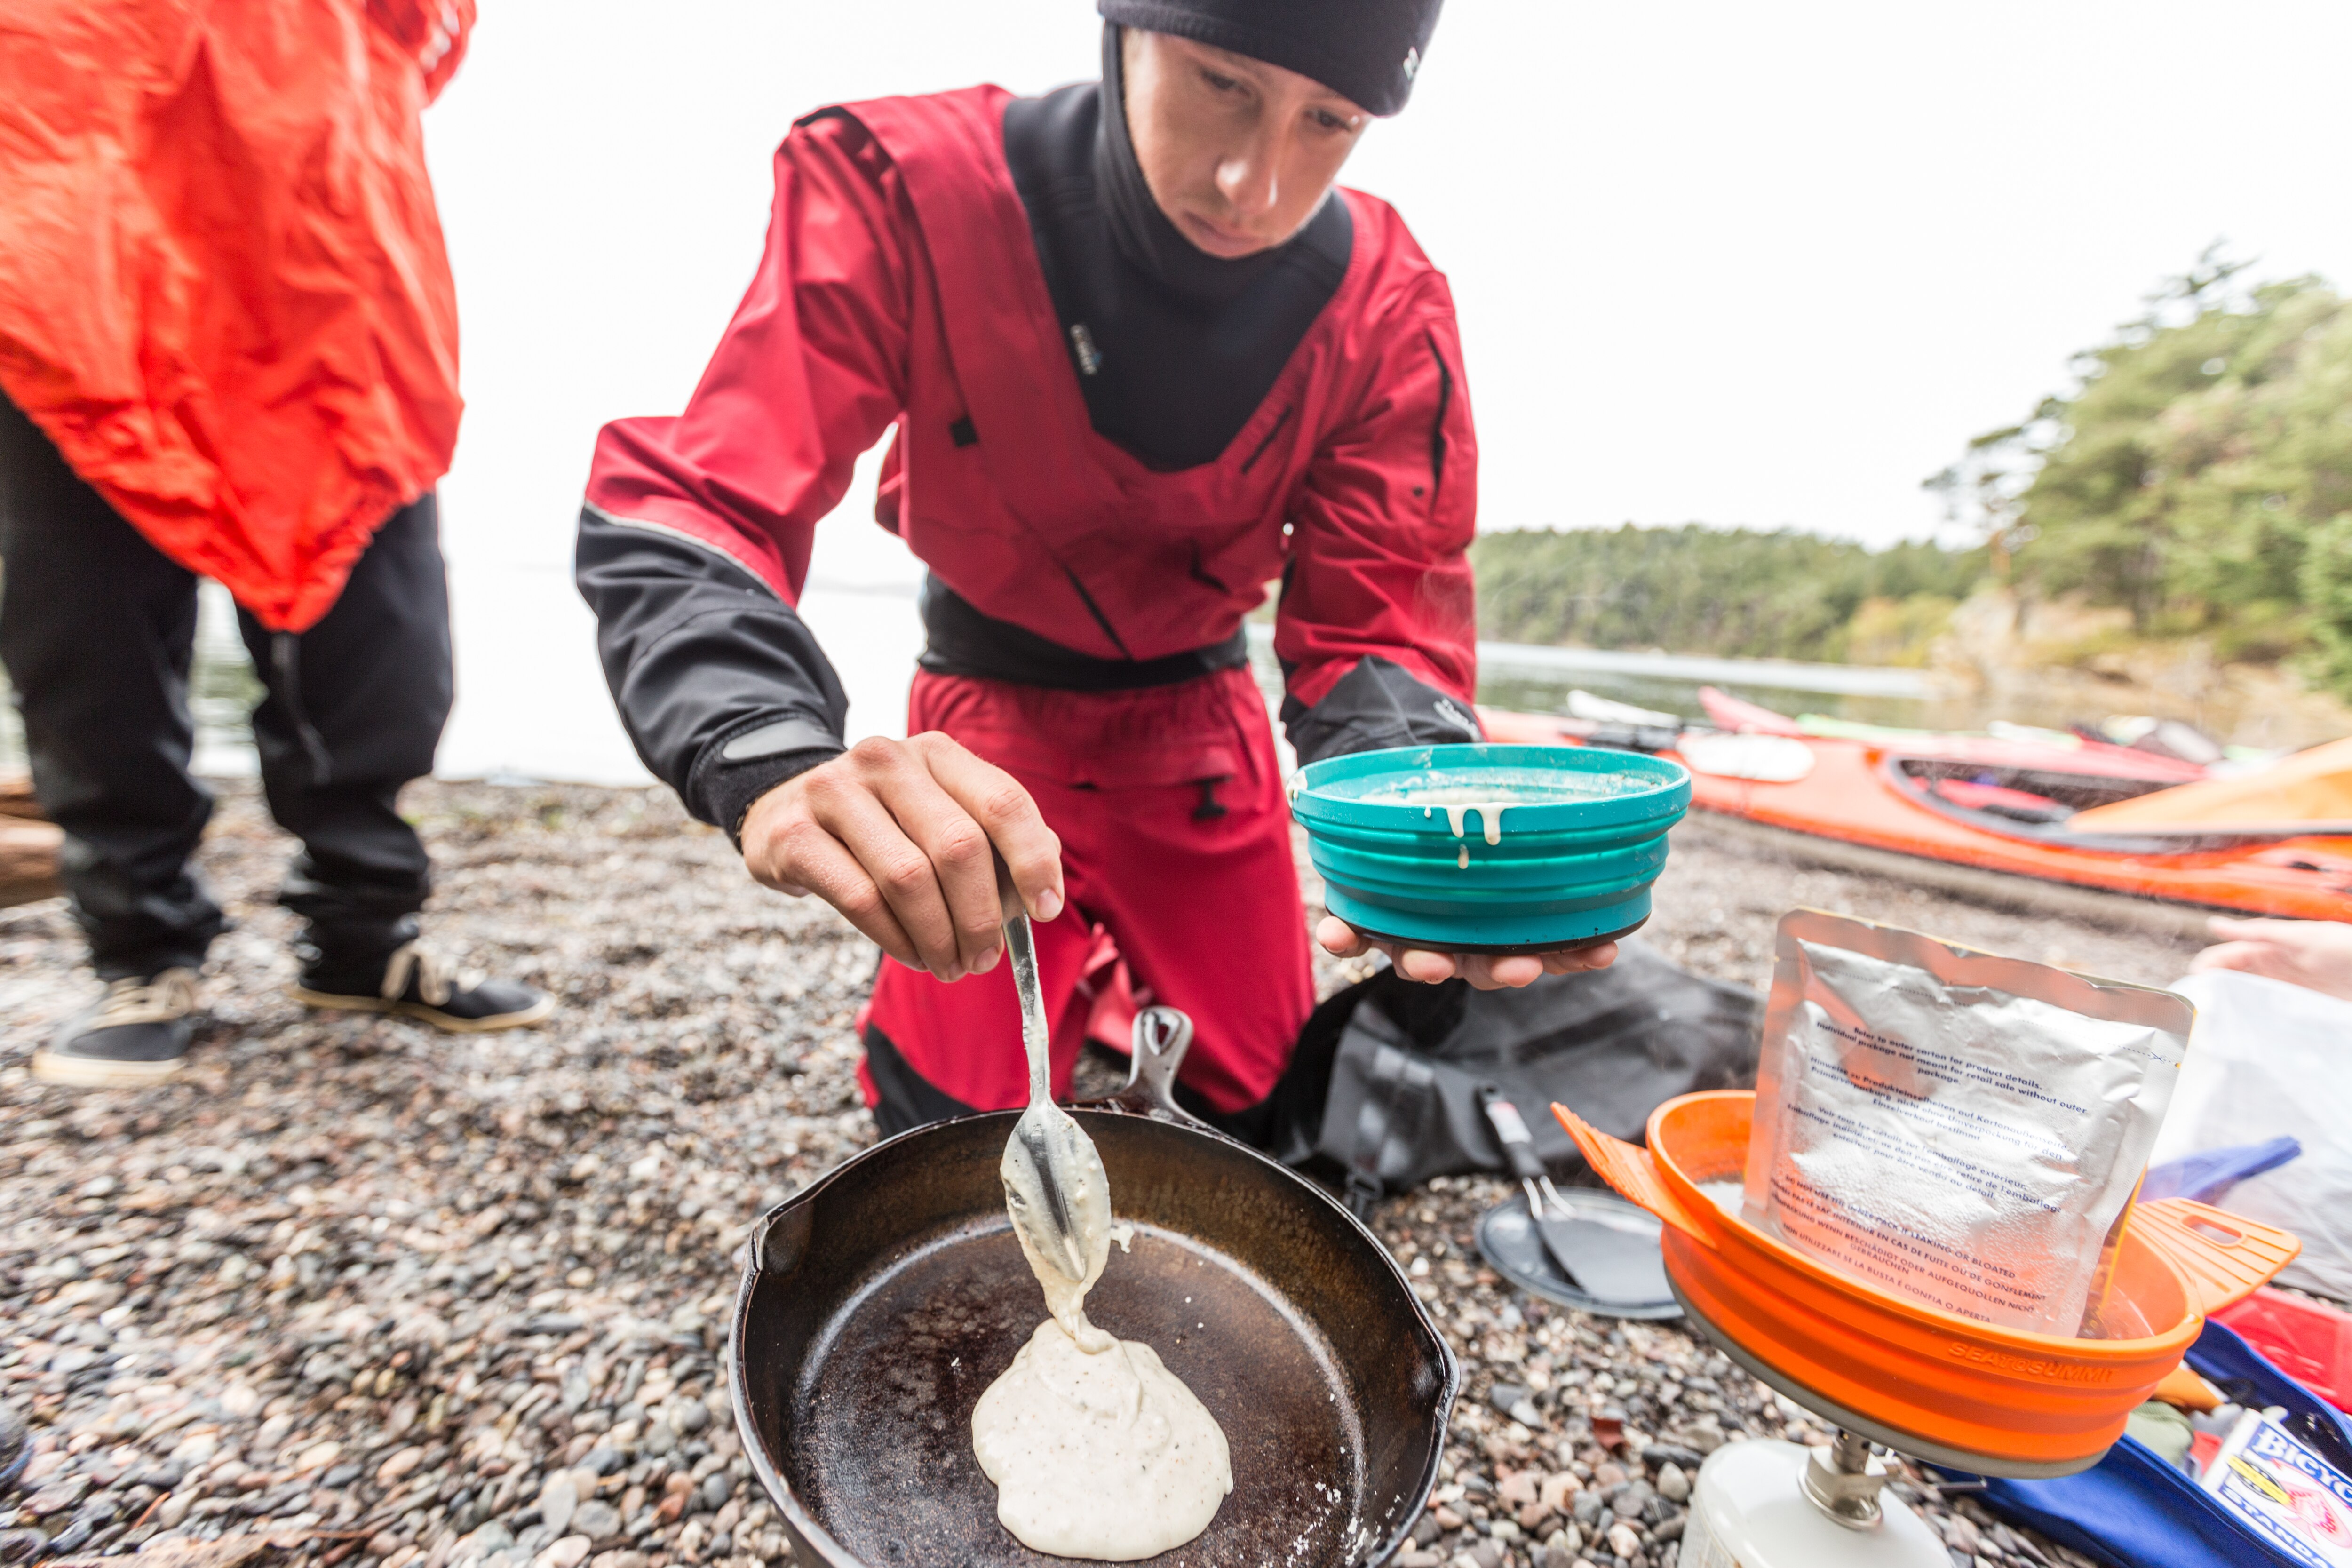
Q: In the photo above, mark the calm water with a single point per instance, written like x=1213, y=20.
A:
x=1538, y=679
x=531, y=702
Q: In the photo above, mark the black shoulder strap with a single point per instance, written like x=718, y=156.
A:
x=1388, y=1126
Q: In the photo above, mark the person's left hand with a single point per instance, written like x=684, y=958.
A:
x=1486, y=971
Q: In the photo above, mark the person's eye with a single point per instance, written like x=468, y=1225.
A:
x=1327, y=120
x=1220, y=82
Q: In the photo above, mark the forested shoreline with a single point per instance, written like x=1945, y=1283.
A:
x=2195, y=487
x=1733, y=593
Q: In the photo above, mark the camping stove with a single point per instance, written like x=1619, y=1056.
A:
x=1765, y=1504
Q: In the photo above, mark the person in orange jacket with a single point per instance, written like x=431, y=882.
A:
x=228, y=349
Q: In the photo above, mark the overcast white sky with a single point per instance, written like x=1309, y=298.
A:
x=1735, y=263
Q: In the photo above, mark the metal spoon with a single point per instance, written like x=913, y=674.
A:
x=1055, y=1185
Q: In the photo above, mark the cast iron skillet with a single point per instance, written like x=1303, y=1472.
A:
x=879, y=1303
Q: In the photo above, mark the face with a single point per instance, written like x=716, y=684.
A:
x=1238, y=153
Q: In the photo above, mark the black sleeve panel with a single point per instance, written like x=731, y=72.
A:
x=1374, y=705
x=722, y=689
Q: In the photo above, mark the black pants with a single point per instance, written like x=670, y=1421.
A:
x=97, y=631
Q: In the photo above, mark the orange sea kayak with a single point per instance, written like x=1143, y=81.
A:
x=2004, y=819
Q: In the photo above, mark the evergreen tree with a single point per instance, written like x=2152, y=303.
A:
x=2201, y=476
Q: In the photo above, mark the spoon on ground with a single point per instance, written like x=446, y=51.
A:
x=1055, y=1185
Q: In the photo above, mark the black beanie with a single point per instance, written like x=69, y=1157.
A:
x=1367, y=50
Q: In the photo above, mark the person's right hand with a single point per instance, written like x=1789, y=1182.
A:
x=902, y=836
x=2316, y=955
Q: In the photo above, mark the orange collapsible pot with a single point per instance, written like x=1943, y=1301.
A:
x=1925, y=1382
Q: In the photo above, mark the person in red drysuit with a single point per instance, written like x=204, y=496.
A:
x=1138, y=357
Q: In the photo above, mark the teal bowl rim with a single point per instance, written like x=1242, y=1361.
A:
x=1667, y=796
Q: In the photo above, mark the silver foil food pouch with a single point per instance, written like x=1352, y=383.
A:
x=1962, y=1130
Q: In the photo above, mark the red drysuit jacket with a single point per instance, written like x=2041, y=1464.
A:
x=901, y=288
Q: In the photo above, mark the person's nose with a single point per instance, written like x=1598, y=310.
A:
x=1248, y=178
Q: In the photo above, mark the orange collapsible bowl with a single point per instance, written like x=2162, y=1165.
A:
x=1925, y=1382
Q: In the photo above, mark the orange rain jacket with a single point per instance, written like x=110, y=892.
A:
x=223, y=290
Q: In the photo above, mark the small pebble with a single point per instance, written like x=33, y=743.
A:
x=596, y=1519
x=490, y=1538
x=196, y=1449
x=1962, y=1536
x=557, y=1500
x=1702, y=1436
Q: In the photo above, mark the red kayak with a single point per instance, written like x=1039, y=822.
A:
x=2069, y=755
x=1988, y=806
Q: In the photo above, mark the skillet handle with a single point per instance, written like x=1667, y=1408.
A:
x=1633, y=1171
x=1161, y=1036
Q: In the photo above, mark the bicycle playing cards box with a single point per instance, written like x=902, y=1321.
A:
x=2283, y=1493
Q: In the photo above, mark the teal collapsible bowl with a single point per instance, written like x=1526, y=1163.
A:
x=1580, y=837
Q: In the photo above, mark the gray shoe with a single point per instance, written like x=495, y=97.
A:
x=136, y=1034
x=415, y=982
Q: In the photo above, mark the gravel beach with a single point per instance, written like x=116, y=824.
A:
x=353, y=1291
